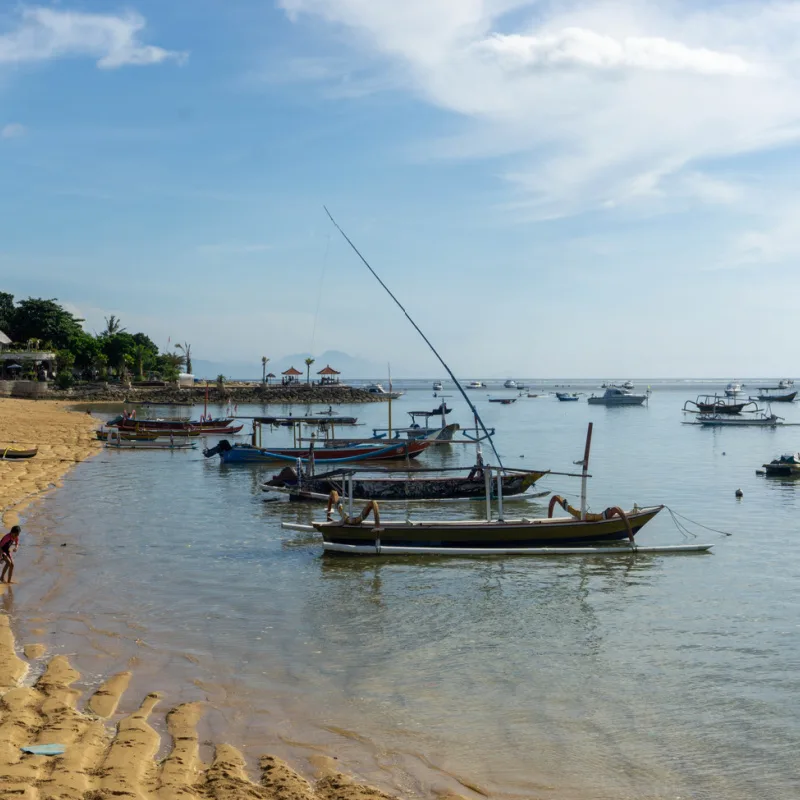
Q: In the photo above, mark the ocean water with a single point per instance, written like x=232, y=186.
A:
x=575, y=677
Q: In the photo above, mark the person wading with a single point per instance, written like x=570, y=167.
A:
x=11, y=539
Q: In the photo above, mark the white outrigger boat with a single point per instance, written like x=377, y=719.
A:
x=611, y=532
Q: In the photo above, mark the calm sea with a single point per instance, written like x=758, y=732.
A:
x=573, y=677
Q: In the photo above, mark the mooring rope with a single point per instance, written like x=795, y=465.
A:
x=680, y=526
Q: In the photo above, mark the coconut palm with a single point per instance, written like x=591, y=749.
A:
x=264, y=361
x=309, y=362
x=112, y=326
x=186, y=349
x=221, y=383
x=140, y=353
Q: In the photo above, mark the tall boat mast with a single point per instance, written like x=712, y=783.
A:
x=424, y=337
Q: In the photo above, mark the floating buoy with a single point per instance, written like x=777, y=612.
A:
x=723, y=452
x=739, y=494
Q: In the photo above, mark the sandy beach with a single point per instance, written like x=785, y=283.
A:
x=64, y=438
x=108, y=754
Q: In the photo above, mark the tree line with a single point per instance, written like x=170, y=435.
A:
x=47, y=325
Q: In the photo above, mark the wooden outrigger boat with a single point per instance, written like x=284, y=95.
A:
x=322, y=418
x=717, y=404
x=11, y=452
x=416, y=486
x=142, y=436
x=131, y=424
x=762, y=420
x=135, y=444
x=767, y=396
x=250, y=454
x=580, y=532
x=506, y=401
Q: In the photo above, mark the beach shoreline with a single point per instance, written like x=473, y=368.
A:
x=108, y=753
x=63, y=438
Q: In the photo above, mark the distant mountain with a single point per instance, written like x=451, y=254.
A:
x=351, y=367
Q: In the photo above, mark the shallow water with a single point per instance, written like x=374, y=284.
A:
x=624, y=677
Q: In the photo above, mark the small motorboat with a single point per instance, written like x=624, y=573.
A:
x=437, y=386
x=377, y=388
x=785, y=467
x=566, y=397
x=615, y=396
x=9, y=453
x=510, y=384
x=733, y=388
x=476, y=385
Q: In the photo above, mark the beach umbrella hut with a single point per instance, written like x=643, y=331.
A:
x=271, y=375
x=329, y=374
x=291, y=375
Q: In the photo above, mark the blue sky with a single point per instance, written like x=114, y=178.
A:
x=552, y=188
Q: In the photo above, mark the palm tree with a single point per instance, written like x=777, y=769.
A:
x=221, y=384
x=186, y=348
x=264, y=361
x=309, y=362
x=112, y=326
x=140, y=353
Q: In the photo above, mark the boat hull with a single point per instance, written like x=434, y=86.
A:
x=407, y=489
x=247, y=454
x=566, y=531
x=12, y=453
x=777, y=398
x=617, y=550
x=625, y=400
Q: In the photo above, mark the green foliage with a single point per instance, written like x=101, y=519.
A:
x=64, y=380
x=46, y=321
x=47, y=324
x=6, y=312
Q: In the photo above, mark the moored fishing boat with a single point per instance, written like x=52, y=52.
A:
x=250, y=454
x=786, y=466
x=377, y=389
x=717, y=404
x=761, y=420
x=104, y=433
x=768, y=395
x=506, y=401
x=733, y=388
x=566, y=397
x=383, y=486
x=135, y=444
x=131, y=423
x=11, y=452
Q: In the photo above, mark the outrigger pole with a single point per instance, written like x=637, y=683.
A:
x=424, y=337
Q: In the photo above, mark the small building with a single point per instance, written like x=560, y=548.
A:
x=290, y=376
x=328, y=376
x=270, y=376
x=25, y=362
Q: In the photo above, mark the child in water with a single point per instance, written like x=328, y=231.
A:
x=11, y=539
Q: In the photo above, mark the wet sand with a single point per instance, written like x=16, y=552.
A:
x=107, y=754
x=100, y=761
x=64, y=438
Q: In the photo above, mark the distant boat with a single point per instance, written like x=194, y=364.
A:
x=716, y=404
x=770, y=397
x=377, y=388
x=615, y=396
x=437, y=386
x=785, y=466
x=763, y=420
x=510, y=384
x=476, y=385
x=733, y=388
x=565, y=397
x=506, y=401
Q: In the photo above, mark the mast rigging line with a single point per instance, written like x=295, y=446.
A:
x=424, y=337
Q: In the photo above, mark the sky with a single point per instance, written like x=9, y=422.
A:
x=583, y=189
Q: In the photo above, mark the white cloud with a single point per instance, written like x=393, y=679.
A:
x=45, y=33
x=13, y=130
x=578, y=47
x=591, y=105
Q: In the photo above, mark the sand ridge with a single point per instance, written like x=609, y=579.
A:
x=100, y=763
x=63, y=437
